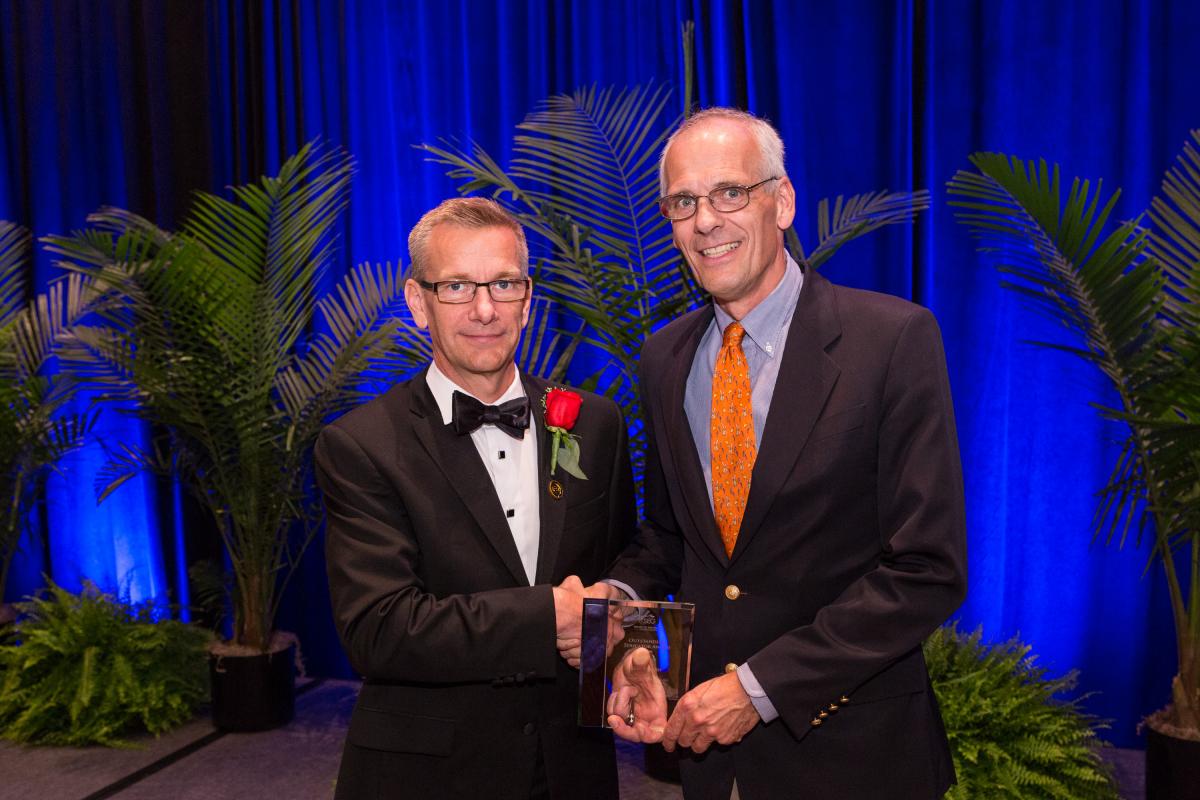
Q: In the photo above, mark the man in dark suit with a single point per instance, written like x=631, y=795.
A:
x=803, y=489
x=446, y=532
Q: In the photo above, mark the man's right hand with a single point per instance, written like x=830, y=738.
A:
x=568, y=616
x=637, y=689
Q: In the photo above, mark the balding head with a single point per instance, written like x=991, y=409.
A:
x=766, y=138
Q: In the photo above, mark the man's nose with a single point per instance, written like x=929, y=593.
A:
x=483, y=308
x=706, y=217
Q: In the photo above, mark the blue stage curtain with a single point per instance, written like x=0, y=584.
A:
x=869, y=94
x=97, y=109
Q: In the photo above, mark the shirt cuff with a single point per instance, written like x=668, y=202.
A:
x=630, y=594
x=762, y=704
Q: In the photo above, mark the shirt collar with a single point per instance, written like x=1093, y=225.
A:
x=443, y=390
x=766, y=324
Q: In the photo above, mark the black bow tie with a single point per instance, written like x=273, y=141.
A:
x=511, y=417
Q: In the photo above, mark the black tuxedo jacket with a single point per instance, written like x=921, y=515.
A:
x=851, y=551
x=462, y=680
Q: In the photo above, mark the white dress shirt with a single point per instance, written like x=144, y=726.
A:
x=512, y=464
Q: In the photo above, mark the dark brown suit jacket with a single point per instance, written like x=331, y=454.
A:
x=852, y=550
x=462, y=678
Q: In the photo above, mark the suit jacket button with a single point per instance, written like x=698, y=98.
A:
x=822, y=714
x=843, y=700
x=733, y=592
x=833, y=707
x=529, y=729
x=520, y=677
x=816, y=723
x=731, y=667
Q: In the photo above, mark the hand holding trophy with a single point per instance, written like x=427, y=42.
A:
x=637, y=706
x=630, y=679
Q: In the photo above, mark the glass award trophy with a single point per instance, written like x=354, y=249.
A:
x=663, y=628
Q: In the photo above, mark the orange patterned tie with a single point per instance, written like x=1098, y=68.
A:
x=731, y=435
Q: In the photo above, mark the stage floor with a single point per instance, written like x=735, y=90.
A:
x=298, y=762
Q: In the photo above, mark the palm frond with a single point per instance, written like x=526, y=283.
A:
x=858, y=215
x=545, y=349
x=583, y=180
x=208, y=330
x=1130, y=298
x=1103, y=288
x=1174, y=237
x=584, y=177
x=361, y=314
x=35, y=428
x=15, y=246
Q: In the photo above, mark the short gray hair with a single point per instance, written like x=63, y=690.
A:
x=770, y=145
x=465, y=212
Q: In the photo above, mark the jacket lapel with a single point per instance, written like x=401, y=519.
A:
x=459, y=461
x=552, y=512
x=806, y=377
x=678, y=432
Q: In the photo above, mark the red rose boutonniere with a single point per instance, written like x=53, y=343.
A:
x=561, y=412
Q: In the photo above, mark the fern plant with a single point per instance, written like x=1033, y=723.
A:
x=91, y=670
x=1012, y=732
x=1131, y=298
x=36, y=430
x=208, y=335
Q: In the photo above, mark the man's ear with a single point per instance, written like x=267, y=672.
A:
x=785, y=204
x=415, y=297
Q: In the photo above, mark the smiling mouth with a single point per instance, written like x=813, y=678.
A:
x=720, y=249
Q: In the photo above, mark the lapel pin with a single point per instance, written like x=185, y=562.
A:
x=556, y=490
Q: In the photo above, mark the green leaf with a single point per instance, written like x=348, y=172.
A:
x=1013, y=732
x=568, y=457
x=858, y=216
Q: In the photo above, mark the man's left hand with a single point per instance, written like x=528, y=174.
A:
x=718, y=710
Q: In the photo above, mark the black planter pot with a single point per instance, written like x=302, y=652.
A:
x=1172, y=767
x=255, y=692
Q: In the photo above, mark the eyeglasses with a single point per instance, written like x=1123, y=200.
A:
x=677, y=207
x=501, y=290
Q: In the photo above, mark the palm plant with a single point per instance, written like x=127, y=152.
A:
x=208, y=334
x=584, y=180
x=35, y=429
x=1131, y=297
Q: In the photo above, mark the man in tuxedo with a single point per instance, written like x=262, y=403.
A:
x=803, y=489
x=447, y=532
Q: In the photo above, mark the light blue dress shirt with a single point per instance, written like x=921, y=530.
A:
x=766, y=328
x=766, y=334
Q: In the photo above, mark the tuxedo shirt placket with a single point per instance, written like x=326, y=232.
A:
x=514, y=475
